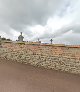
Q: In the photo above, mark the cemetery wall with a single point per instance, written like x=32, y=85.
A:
x=57, y=57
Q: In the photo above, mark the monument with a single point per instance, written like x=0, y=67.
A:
x=20, y=38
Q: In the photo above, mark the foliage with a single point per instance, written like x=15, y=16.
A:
x=3, y=38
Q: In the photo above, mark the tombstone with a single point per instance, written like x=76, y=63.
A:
x=20, y=38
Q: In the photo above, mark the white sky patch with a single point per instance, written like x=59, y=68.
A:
x=57, y=22
x=15, y=34
x=3, y=34
x=37, y=31
x=62, y=39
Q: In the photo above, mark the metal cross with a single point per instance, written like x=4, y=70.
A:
x=51, y=41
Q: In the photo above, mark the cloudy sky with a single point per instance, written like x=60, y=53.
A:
x=44, y=19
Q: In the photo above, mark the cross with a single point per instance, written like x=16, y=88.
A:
x=51, y=41
x=21, y=33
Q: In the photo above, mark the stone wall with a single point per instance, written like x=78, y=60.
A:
x=63, y=58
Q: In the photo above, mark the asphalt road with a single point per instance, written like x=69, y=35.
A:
x=16, y=77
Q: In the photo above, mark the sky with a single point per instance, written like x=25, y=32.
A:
x=44, y=19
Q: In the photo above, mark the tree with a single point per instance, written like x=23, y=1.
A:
x=3, y=38
x=8, y=39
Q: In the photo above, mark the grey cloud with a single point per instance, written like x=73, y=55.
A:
x=19, y=13
x=74, y=28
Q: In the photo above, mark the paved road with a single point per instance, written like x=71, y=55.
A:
x=16, y=77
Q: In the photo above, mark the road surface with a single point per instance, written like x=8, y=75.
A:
x=16, y=77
